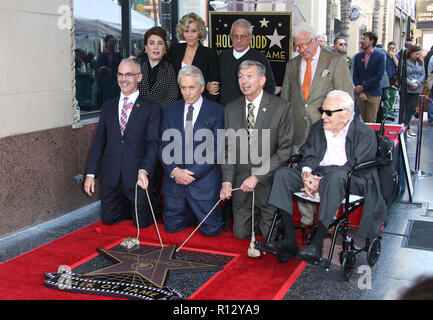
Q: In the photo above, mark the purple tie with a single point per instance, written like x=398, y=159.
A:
x=124, y=115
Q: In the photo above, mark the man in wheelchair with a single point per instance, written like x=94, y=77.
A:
x=335, y=144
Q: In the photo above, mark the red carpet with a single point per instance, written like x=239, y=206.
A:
x=244, y=278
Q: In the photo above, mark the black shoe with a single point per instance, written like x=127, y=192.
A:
x=279, y=248
x=311, y=254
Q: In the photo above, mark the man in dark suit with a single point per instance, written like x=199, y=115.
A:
x=368, y=71
x=335, y=144
x=262, y=127
x=188, y=154
x=126, y=145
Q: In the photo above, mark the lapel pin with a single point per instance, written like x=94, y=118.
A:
x=264, y=109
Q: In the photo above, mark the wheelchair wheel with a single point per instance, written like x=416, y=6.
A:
x=373, y=252
x=348, y=264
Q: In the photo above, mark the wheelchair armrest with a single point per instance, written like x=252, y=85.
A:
x=365, y=165
x=294, y=159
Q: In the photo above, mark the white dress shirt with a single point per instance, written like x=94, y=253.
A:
x=131, y=99
x=256, y=103
x=239, y=55
x=197, y=107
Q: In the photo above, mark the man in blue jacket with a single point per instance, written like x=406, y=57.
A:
x=368, y=71
x=188, y=154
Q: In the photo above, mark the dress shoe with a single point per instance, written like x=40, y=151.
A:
x=310, y=254
x=278, y=248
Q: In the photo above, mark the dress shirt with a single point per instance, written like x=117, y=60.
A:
x=131, y=99
x=335, y=149
x=256, y=103
x=197, y=106
x=314, y=62
x=367, y=56
x=239, y=55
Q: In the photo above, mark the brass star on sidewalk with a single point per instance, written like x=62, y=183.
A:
x=152, y=266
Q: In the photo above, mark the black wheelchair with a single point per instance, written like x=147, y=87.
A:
x=342, y=227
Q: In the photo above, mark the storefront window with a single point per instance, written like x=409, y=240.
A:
x=98, y=49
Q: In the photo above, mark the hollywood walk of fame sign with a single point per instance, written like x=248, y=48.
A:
x=134, y=275
x=272, y=35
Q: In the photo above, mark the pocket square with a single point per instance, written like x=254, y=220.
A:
x=325, y=73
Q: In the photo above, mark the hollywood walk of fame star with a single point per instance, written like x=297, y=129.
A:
x=275, y=39
x=152, y=266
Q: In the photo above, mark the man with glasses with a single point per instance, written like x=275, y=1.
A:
x=125, y=146
x=334, y=145
x=307, y=80
x=340, y=46
x=229, y=60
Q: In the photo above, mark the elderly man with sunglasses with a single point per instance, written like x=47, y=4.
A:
x=334, y=145
x=307, y=80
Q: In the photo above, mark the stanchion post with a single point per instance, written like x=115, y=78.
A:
x=417, y=171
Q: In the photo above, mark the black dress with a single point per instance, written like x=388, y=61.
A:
x=206, y=59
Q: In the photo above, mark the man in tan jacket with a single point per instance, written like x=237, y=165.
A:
x=308, y=79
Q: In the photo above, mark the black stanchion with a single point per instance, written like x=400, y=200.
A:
x=417, y=171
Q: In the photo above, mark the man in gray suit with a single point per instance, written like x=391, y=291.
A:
x=333, y=147
x=259, y=128
x=308, y=78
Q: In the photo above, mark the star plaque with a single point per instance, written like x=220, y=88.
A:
x=152, y=266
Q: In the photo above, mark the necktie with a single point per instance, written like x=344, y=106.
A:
x=250, y=119
x=189, y=136
x=124, y=115
x=307, y=80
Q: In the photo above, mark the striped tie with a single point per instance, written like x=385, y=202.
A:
x=250, y=120
x=189, y=144
x=124, y=115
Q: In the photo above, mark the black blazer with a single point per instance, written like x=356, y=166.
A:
x=123, y=156
x=206, y=59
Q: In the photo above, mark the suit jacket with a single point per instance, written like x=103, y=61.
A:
x=371, y=77
x=123, y=156
x=165, y=90
x=206, y=59
x=361, y=146
x=274, y=114
x=208, y=175
x=332, y=73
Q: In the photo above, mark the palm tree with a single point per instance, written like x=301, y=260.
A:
x=376, y=11
x=345, y=9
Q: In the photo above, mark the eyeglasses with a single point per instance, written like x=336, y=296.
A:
x=329, y=112
x=303, y=46
x=126, y=75
x=240, y=36
x=341, y=44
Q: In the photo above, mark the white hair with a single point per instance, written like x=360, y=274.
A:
x=190, y=70
x=347, y=100
x=304, y=27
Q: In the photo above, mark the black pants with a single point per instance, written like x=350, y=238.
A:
x=118, y=204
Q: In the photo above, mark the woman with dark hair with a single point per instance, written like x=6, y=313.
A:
x=159, y=81
x=192, y=30
x=415, y=77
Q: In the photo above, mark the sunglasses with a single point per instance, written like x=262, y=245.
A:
x=329, y=112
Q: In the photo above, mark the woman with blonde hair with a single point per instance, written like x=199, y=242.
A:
x=191, y=30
